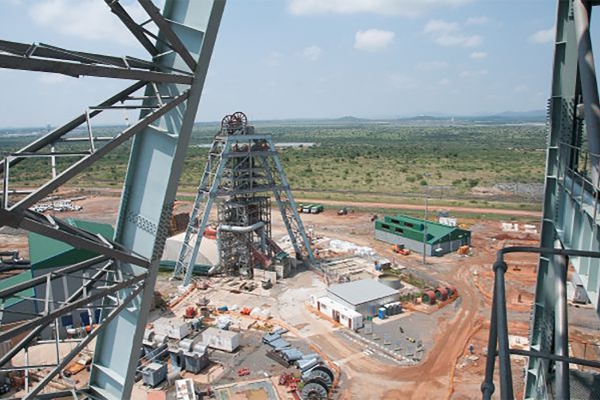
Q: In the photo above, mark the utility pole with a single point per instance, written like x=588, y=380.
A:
x=425, y=230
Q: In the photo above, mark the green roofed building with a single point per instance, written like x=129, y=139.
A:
x=410, y=232
x=48, y=255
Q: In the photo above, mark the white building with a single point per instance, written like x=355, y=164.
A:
x=343, y=315
x=365, y=296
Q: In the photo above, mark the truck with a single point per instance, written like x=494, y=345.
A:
x=316, y=208
x=306, y=208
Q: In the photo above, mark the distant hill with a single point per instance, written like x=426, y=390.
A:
x=523, y=114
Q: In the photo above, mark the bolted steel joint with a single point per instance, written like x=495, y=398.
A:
x=500, y=265
x=488, y=389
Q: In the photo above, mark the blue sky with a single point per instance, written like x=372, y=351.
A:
x=279, y=59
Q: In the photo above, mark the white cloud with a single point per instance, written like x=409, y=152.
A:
x=432, y=66
x=408, y=8
x=312, y=53
x=444, y=81
x=477, y=20
x=478, y=55
x=85, y=19
x=438, y=25
x=450, y=34
x=273, y=59
x=13, y=2
x=470, y=74
x=373, y=39
x=543, y=36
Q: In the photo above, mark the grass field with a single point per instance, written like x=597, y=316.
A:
x=359, y=161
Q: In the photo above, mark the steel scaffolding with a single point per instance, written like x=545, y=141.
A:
x=569, y=224
x=117, y=285
x=241, y=166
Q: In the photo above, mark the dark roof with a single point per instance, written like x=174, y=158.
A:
x=360, y=292
x=48, y=253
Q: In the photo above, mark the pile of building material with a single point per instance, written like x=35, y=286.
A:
x=57, y=205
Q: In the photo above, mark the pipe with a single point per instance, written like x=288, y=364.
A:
x=236, y=229
x=506, y=387
x=589, y=84
x=487, y=387
x=561, y=328
x=241, y=229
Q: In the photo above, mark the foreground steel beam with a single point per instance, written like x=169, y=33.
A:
x=589, y=84
x=59, y=132
x=85, y=162
x=88, y=339
x=77, y=70
x=187, y=31
x=49, y=317
x=149, y=192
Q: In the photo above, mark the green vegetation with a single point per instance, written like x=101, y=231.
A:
x=371, y=161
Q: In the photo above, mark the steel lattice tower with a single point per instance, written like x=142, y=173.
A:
x=241, y=165
x=570, y=222
x=120, y=279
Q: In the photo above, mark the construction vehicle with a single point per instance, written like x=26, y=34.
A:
x=343, y=211
x=463, y=250
x=78, y=366
x=399, y=249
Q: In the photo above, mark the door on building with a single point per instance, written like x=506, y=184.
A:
x=336, y=316
x=318, y=305
x=350, y=323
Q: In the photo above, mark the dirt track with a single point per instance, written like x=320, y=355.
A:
x=516, y=213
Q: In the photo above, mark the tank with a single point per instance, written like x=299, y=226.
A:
x=429, y=297
x=390, y=280
x=441, y=294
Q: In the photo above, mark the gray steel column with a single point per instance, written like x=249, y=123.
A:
x=559, y=265
x=589, y=84
x=155, y=165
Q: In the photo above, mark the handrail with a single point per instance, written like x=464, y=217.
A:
x=498, y=336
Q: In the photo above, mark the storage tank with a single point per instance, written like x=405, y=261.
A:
x=441, y=294
x=429, y=297
x=390, y=280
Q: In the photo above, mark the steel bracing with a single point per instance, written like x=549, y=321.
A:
x=241, y=164
x=114, y=288
x=570, y=218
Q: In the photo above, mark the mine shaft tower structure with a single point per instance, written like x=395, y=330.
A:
x=119, y=281
x=570, y=225
x=243, y=168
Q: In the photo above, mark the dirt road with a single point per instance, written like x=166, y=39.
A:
x=516, y=213
x=391, y=206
